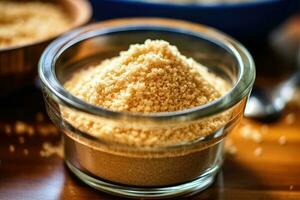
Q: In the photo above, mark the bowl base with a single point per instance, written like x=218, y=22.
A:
x=185, y=189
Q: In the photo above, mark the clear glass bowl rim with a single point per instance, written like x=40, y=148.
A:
x=192, y=5
x=241, y=88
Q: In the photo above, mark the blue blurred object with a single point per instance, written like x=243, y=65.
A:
x=244, y=21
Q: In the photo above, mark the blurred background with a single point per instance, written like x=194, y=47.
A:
x=270, y=30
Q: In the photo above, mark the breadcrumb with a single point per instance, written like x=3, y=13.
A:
x=248, y=132
x=23, y=128
x=21, y=140
x=7, y=129
x=25, y=22
x=39, y=117
x=230, y=147
x=264, y=128
x=290, y=119
x=232, y=150
x=30, y=130
x=148, y=78
x=46, y=130
x=257, y=137
x=20, y=127
x=11, y=148
x=282, y=140
x=26, y=152
x=258, y=151
x=50, y=150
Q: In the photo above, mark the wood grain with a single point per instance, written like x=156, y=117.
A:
x=274, y=174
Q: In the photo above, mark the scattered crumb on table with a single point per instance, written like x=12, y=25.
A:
x=49, y=149
x=290, y=118
x=230, y=148
x=21, y=140
x=26, y=152
x=11, y=148
x=249, y=132
x=7, y=129
x=282, y=140
x=258, y=151
x=39, y=117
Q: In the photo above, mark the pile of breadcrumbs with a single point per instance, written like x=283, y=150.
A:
x=26, y=22
x=148, y=78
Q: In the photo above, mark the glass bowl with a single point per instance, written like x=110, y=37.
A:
x=145, y=171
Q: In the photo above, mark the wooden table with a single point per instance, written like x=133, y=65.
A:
x=272, y=172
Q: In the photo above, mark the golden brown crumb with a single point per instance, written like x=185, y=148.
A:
x=7, y=129
x=245, y=131
x=20, y=127
x=290, y=119
x=50, y=150
x=11, y=148
x=46, y=130
x=248, y=132
x=282, y=140
x=30, y=130
x=23, y=23
x=257, y=137
x=23, y=128
x=230, y=147
x=232, y=150
x=21, y=140
x=26, y=152
x=148, y=78
x=258, y=151
x=264, y=128
x=39, y=117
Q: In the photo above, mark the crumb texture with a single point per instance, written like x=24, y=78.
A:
x=25, y=22
x=151, y=77
x=148, y=78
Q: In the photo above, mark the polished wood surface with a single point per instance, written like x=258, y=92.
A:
x=273, y=174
